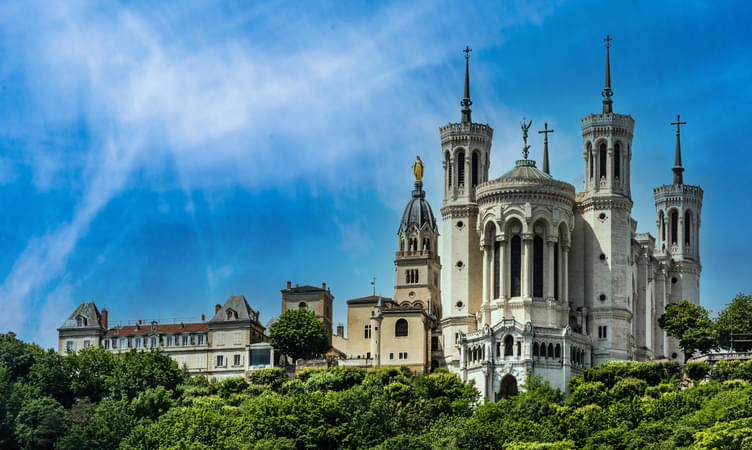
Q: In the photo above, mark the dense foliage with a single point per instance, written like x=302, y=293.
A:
x=299, y=334
x=97, y=400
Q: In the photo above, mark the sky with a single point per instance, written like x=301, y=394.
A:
x=157, y=158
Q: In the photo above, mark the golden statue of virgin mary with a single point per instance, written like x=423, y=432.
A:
x=418, y=169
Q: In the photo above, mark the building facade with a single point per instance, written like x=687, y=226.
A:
x=219, y=348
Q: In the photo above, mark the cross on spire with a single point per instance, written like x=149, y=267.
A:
x=466, y=102
x=678, y=169
x=607, y=93
x=545, y=132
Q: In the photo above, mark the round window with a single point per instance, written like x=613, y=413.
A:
x=460, y=264
x=674, y=280
x=460, y=304
x=602, y=297
x=674, y=355
x=603, y=256
x=602, y=216
x=460, y=224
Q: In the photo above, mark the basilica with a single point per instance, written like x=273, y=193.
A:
x=532, y=277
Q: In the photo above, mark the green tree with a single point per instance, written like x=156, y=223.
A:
x=39, y=423
x=299, y=334
x=135, y=372
x=690, y=324
x=17, y=356
x=739, y=311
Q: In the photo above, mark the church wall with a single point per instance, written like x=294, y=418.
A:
x=358, y=316
x=415, y=344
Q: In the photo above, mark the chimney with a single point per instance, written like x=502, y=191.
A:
x=182, y=325
x=104, y=315
x=341, y=330
x=289, y=284
x=323, y=286
x=217, y=307
x=203, y=317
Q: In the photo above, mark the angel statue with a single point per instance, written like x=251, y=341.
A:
x=418, y=169
x=526, y=148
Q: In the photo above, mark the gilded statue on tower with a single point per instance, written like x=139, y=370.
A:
x=418, y=169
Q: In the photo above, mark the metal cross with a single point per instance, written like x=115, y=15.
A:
x=608, y=40
x=546, y=131
x=373, y=283
x=678, y=124
x=467, y=51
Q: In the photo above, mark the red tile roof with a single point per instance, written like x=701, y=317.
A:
x=131, y=330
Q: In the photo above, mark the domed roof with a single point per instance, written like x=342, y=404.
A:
x=524, y=169
x=418, y=211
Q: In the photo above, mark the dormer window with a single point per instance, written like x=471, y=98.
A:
x=81, y=321
x=232, y=314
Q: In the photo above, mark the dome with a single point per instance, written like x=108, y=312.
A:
x=418, y=211
x=524, y=169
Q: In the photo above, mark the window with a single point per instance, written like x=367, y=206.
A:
x=400, y=328
x=474, y=181
x=220, y=338
x=69, y=346
x=602, y=157
x=238, y=337
x=537, y=266
x=302, y=305
x=449, y=168
x=185, y=341
x=602, y=332
x=391, y=355
x=509, y=346
x=556, y=270
x=674, y=226
x=107, y=344
x=236, y=360
x=516, y=265
x=557, y=351
x=434, y=342
x=122, y=343
x=367, y=332
x=368, y=355
x=220, y=361
x=138, y=342
x=153, y=341
x=87, y=343
x=461, y=168
x=114, y=344
x=497, y=269
x=519, y=349
x=200, y=339
x=79, y=322
x=535, y=349
x=617, y=161
x=687, y=227
x=402, y=355
x=130, y=342
x=169, y=341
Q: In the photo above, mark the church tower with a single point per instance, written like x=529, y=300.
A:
x=466, y=148
x=677, y=208
x=604, y=226
x=417, y=269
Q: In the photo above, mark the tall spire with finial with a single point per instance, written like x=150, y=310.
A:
x=678, y=169
x=545, y=132
x=466, y=102
x=607, y=93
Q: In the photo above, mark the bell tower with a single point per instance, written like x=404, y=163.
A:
x=677, y=207
x=605, y=208
x=466, y=148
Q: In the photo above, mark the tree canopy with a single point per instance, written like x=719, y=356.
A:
x=299, y=334
x=738, y=312
x=691, y=325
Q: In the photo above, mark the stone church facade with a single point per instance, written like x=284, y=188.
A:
x=534, y=277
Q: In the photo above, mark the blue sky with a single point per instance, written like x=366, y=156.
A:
x=158, y=159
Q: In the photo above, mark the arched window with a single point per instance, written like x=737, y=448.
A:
x=367, y=332
x=687, y=227
x=535, y=349
x=591, y=158
x=537, y=266
x=519, y=349
x=475, y=169
x=461, y=168
x=602, y=157
x=509, y=346
x=498, y=349
x=516, y=265
x=662, y=226
x=302, y=305
x=449, y=168
x=557, y=351
x=550, y=350
x=556, y=270
x=497, y=269
x=400, y=328
x=617, y=161
x=674, y=226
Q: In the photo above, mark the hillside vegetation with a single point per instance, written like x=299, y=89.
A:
x=97, y=400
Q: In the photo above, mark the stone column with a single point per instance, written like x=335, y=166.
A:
x=564, y=279
x=549, y=285
x=610, y=166
x=486, y=249
x=680, y=234
x=527, y=264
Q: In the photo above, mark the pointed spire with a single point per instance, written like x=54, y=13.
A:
x=607, y=93
x=678, y=169
x=545, y=132
x=466, y=102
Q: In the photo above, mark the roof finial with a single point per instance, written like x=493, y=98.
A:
x=525, y=148
x=466, y=102
x=678, y=169
x=545, y=132
x=607, y=93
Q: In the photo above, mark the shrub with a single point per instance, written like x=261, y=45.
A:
x=724, y=370
x=697, y=370
x=588, y=393
x=628, y=388
x=273, y=376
